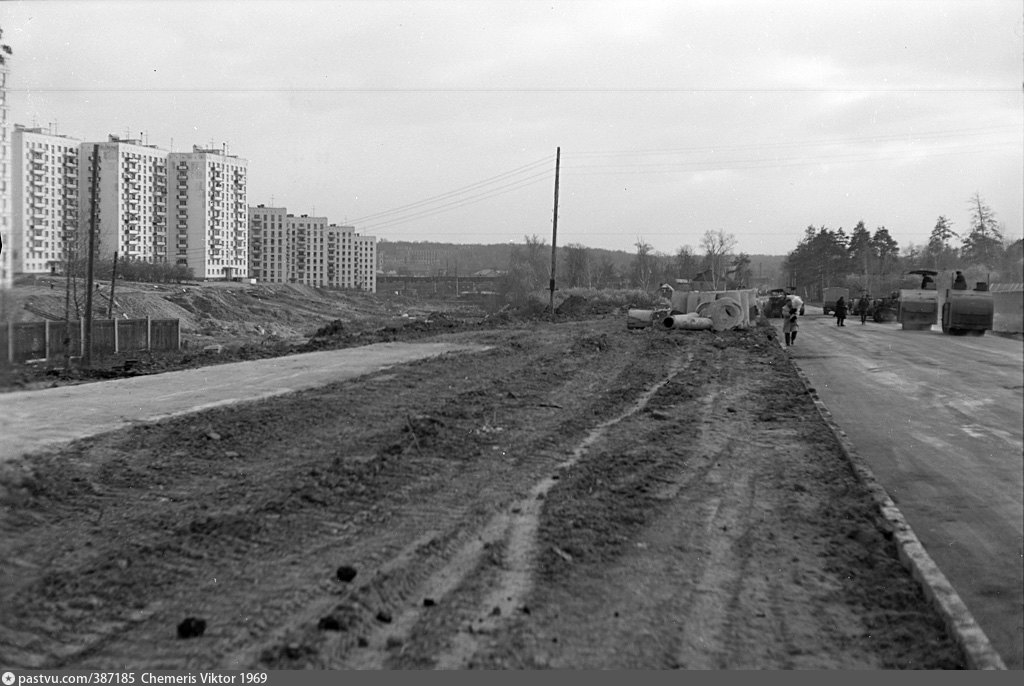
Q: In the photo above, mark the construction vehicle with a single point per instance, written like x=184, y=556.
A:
x=965, y=311
x=831, y=295
x=884, y=309
x=777, y=298
x=776, y=301
x=918, y=307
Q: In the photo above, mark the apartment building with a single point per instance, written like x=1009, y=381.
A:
x=365, y=263
x=285, y=248
x=211, y=221
x=44, y=200
x=131, y=198
x=6, y=226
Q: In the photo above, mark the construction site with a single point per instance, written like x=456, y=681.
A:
x=560, y=491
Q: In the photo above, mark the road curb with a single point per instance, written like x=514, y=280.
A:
x=977, y=650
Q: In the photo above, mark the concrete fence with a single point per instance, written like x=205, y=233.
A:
x=45, y=340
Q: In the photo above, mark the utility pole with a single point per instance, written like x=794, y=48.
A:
x=113, y=280
x=554, y=231
x=87, y=346
x=67, y=303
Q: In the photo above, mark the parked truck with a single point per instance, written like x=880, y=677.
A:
x=831, y=295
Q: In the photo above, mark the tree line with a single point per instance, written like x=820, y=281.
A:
x=871, y=262
x=715, y=266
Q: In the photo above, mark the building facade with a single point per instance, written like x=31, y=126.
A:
x=6, y=226
x=151, y=205
x=285, y=248
x=44, y=200
x=131, y=198
x=211, y=222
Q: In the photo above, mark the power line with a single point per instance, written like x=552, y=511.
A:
x=809, y=143
x=552, y=89
x=471, y=200
x=762, y=163
x=494, y=179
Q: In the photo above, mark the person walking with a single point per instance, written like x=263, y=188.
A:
x=841, y=311
x=863, y=305
x=790, y=325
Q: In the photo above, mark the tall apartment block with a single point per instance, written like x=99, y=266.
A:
x=45, y=200
x=211, y=222
x=308, y=250
x=185, y=208
x=131, y=197
x=6, y=264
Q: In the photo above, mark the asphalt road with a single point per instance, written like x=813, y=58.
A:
x=34, y=420
x=939, y=419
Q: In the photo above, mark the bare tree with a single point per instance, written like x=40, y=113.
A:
x=607, y=275
x=577, y=265
x=717, y=247
x=686, y=263
x=984, y=244
x=643, y=264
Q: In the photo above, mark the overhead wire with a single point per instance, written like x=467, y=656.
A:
x=528, y=174
x=443, y=196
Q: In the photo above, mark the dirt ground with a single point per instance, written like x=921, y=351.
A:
x=581, y=495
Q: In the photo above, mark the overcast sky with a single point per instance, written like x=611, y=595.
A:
x=440, y=120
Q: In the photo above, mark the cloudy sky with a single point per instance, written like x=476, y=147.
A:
x=439, y=120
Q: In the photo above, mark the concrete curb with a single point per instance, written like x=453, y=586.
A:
x=977, y=651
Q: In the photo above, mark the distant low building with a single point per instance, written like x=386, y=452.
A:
x=285, y=248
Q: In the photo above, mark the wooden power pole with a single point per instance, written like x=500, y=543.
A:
x=113, y=280
x=87, y=343
x=554, y=232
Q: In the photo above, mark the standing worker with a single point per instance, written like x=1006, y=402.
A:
x=789, y=320
x=841, y=311
x=960, y=283
x=863, y=305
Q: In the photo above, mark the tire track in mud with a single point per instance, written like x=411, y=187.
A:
x=517, y=534
x=443, y=488
x=397, y=584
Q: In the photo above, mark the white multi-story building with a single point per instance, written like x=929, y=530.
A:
x=364, y=252
x=211, y=222
x=44, y=200
x=131, y=193
x=6, y=264
x=307, y=250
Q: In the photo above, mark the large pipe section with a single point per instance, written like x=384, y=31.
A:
x=689, y=322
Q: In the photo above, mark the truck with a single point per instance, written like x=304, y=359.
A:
x=777, y=299
x=831, y=295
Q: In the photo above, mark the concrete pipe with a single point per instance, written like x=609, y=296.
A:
x=688, y=322
x=639, y=319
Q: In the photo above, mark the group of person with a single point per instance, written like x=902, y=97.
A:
x=793, y=305
x=862, y=307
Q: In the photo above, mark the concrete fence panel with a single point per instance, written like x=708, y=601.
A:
x=58, y=332
x=45, y=340
x=104, y=338
x=132, y=335
x=164, y=334
x=27, y=341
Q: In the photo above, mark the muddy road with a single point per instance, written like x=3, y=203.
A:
x=576, y=496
